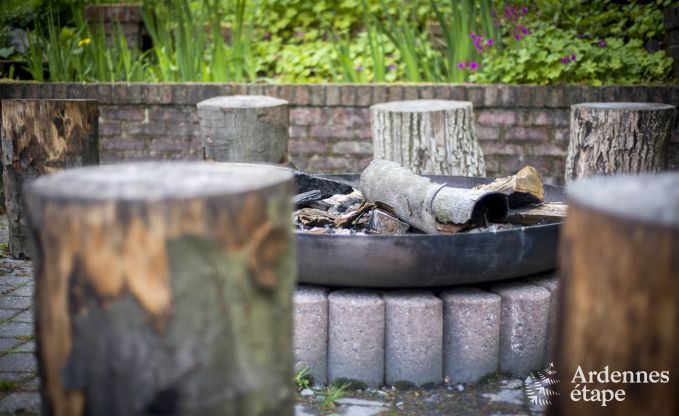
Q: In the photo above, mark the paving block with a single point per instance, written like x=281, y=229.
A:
x=471, y=334
x=523, y=327
x=551, y=283
x=311, y=331
x=356, y=337
x=414, y=338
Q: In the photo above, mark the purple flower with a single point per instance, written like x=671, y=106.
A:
x=473, y=66
x=524, y=29
x=603, y=44
x=524, y=10
x=517, y=37
x=267, y=36
x=461, y=65
x=490, y=42
x=564, y=60
x=358, y=68
x=473, y=35
x=573, y=57
x=392, y=67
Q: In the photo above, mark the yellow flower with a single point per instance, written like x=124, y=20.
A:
x=85, y=41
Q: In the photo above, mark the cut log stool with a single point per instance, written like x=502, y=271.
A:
x=41, y=137
x=434, y=137
x=164, y=288
x=244, y=128
x=612, y=138
x=620, y=293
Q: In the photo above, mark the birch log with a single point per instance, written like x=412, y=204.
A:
x=620, y=294
x=42, y=137
x=613, y=138
x=244, y=128
x=426, y=205
x=164, y=288
x=432, y=137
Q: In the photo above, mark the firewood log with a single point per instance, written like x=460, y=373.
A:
x=522, y=189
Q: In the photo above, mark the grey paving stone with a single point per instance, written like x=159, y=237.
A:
x=311, y=331
x=356, y=336
x=16, y=329
x=18, y=362
x=13, y=280
x=28, y=402
x=414, y=338
x=523, y=330
x=25, y=347
x=6, y=344
x=25, y=316
x=551, y=283
x=471, y=334
x=15, y=302
x=6, y=314
x=25, y=290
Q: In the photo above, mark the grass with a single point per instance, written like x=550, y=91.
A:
x=303, y=378
x=332, y=394
x=8, y=386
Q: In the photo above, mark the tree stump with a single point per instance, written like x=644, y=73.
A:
x=244, y=128
x=620, y=297
x=41, y=137
x=432, y=137
x=164, y=288
x=612, y=138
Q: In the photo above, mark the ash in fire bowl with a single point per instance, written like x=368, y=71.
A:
x=400, y=202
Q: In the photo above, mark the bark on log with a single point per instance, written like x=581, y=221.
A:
x=521, y=189
x=620, y=293
x=534, y=214
x=164, y=288
x=614, y=138
x=42, y=137
x=427, y=205
x=433, y=137
x=244, y=128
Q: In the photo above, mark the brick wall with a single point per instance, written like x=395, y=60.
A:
x=330, y=124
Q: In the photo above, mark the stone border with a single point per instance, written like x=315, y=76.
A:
x=420, y=337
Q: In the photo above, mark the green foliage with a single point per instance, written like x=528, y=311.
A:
x=332, y=394
x=8, y=386
x=602, y=52
x=303, y=378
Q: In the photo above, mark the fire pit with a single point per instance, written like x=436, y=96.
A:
x=428, y=260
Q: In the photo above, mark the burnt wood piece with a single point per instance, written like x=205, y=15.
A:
x=40, y=137
x=306, y=182
x=347, y=219
x=312, y=217
x=521, y=189
x=244, y=128
x=424, y=204
x=619, y=309
x=305, y=198
x=382, y=222
x=164, y=288
x=535, y=214
x=435, y=137
x=614, y=138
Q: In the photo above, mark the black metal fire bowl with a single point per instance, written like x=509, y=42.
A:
x=424, y=260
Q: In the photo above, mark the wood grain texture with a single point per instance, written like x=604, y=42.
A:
x=164, y=288
x=615, y=138
x=435, y=137
x=244, y=128
x=40, y=137
x=619, y=303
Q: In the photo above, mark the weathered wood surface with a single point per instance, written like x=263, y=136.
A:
x=523, y=188
x=620, y=292
x=615, y=138
x=435, y=137
x=244, y=128
x=534, y=214
x=164, y=288
x=41, y=137
x=305, y=182
x=425, y=205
